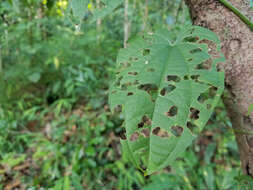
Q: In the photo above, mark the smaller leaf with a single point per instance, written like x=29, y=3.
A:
x=79, y=7
x=67, y=185
x=110, y=5
x=34, y=77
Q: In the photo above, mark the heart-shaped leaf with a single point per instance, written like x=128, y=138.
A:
x=168, y=87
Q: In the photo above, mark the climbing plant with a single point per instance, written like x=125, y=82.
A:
x=167, y=87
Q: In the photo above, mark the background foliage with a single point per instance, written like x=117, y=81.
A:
x=56, y=130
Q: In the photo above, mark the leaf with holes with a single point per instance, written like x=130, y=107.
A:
x=167, y=88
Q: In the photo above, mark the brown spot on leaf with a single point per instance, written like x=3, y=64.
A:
x=160, y=132
x=145, y=132
x=134, y=136
x=150, y=70
x=132, y=73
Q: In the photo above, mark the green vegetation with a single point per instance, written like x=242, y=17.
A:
x=57, y=61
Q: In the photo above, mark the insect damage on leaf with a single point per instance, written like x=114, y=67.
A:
x=168, y=89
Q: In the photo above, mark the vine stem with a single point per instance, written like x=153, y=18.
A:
x=238, y=13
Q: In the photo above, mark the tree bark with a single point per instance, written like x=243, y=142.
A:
x=237, y=46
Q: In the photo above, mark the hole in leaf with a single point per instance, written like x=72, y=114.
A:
x=160, y=133
x=196, y=50
x=145, y=132
x=140, y=125
x=172, y=112
x=191, y=39
x=203, y=97
x=186, y=77
x=118, y=108
x=194, y=113
x=124, y=86
x=173, y=78
x=130, y=94
x=207, y=65
x=146, y=52
x=125, y=64
x=118, y=81
x=189, y=60
x=148, y=87
x=150, y=70
x=144, y=121
x=195, y=77
x=133, y=59
x=133, y=73
x=167, y=90
x=122, y=134
x=192, y=127
x=134, y=136
x=212, y=91
x=177, y=130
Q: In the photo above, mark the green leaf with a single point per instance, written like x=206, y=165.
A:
x=67, y=185
x=209, y=177
x=34, y=77
x=250, y=109
x=109, y=6
x=79, y=7
x=76, y=181
x=168, y=89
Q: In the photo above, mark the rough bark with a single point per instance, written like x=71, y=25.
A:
x=237, y=46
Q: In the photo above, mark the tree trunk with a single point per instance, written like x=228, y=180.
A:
x=237, y=46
